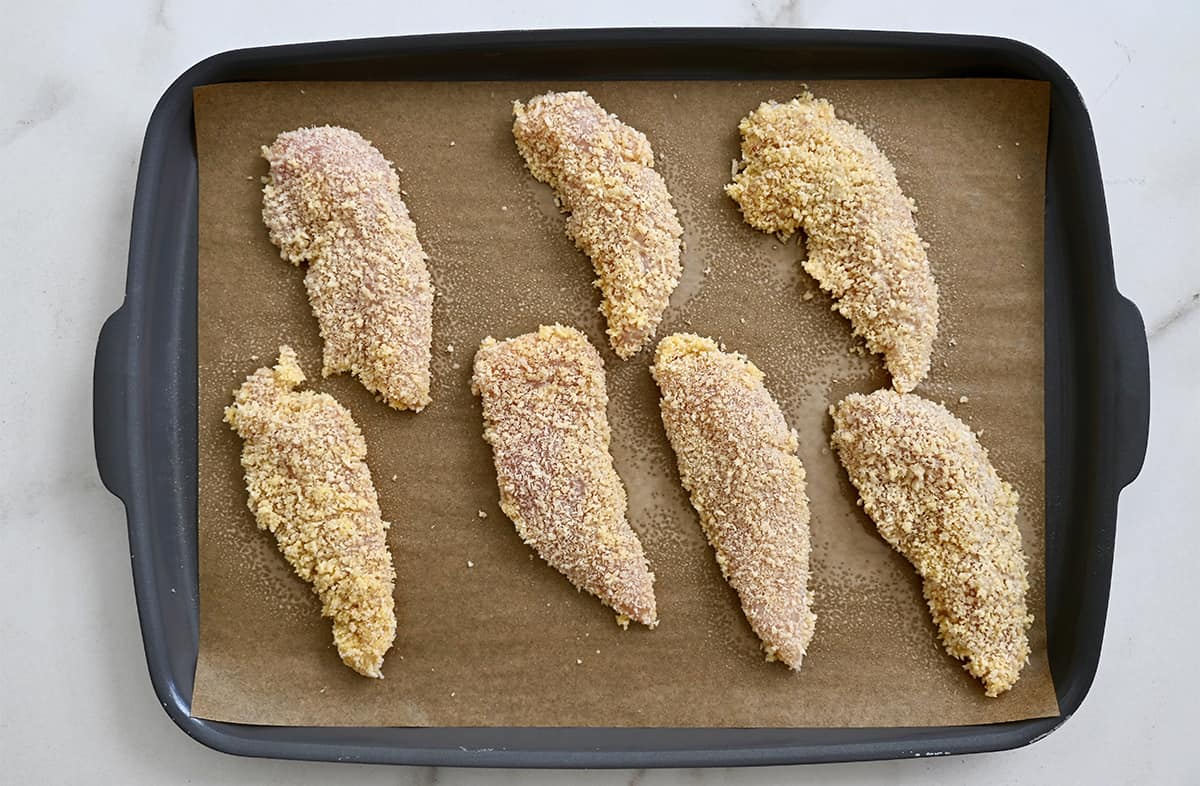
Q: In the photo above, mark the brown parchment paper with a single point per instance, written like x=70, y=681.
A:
x=509, y=641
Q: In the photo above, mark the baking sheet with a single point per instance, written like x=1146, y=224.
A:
x=506, y=640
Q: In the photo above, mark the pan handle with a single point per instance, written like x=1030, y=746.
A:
x=1132, y=367
x=109, y=403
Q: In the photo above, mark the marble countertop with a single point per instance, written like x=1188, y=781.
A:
x=77, y=84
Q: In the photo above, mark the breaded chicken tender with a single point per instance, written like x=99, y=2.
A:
x=334, y=201
x=544, y=413
x=620, y=213
x=803, y=168
x=308, y=484
x=933, y=494
x=737, y=458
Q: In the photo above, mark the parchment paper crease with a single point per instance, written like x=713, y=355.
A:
x=509, y=641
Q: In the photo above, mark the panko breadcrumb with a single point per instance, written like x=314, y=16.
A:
x=544, y=412
x=737, y=458
x=334, y=201
x=620, y=213
x=803, y=168
x=933, y=494
x=308, y=484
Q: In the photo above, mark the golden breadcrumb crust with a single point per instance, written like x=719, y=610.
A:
x=928, y=485
x=803, y=168
x=334, y=201
x=620, y=213
x=737, y=458
x=308, y=484
x=544, y=412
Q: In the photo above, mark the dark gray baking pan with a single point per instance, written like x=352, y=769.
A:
x=1096, y=377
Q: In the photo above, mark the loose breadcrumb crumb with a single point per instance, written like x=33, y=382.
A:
x=544, y=410
x=737, y=458
x=308, y=484
x=620, y=213
x=927, y=483
x=803, y=168
x=334, y=201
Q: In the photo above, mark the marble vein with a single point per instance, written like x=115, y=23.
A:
x=1176, y=316
x=51, y=99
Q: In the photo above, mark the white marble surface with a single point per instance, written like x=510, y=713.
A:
x=77, y=83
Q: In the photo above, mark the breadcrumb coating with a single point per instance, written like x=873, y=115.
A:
x=544, y=412
x=803, y=168
x=308, y=484
x=334, y=201
x=737, y=458
x=620, y=213
x=928, y=485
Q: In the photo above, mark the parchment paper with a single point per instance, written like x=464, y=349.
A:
x=509, y=641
